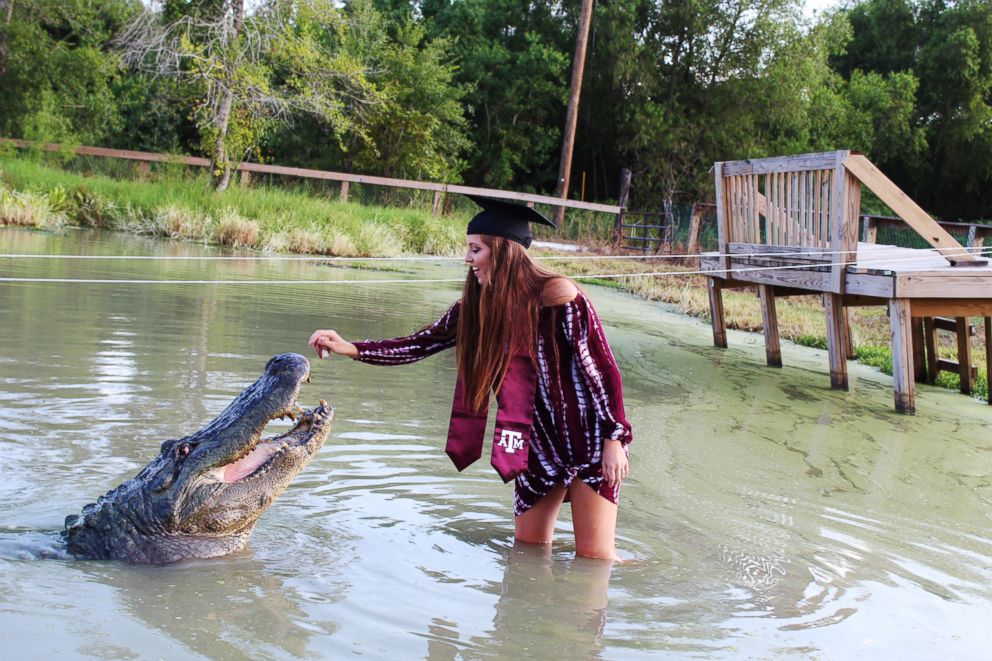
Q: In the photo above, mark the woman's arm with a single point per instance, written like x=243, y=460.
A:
x=426, y=342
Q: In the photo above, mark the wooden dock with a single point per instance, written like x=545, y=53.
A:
x=789, y=226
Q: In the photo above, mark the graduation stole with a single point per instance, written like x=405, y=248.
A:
x=514, y=419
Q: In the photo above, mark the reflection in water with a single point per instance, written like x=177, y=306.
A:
x=766, y=516
x=546, y=607
x=228, y=610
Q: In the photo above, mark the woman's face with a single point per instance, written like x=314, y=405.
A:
x=477, y=256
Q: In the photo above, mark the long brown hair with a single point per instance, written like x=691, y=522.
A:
x=498, y=319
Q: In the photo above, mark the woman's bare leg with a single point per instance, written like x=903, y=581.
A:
x=595, y=521
x=537, y=525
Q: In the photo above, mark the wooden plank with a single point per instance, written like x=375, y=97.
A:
x=942, y=285
x=951, y=324
x=964, y=355
x=904, y=387
x=944, y=365
x=909, y=211
x=756, y=210
x=817, y=206
x=882, y=286
x=796, y=278
x=919, y=351
x=736, y=218
x=951, y=307
x=791, y=252
x=988, y=357
x=791, y=235
x=722, y=223
x=836, y=350
x=836, y=213
x=769, y=321
x=930, y=338
x=716, y=313
x=798, y=163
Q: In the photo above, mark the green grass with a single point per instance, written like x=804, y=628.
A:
x=188, y=208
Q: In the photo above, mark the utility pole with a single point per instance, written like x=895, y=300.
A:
x=572, y=115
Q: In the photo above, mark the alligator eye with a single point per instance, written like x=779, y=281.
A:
x=182, y=450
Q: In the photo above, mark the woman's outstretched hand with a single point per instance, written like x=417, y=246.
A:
x=615, y=465
x=326, y=342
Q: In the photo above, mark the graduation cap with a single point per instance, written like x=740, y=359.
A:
x=506, y=219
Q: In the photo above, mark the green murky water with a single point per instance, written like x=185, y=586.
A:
x=766, y=516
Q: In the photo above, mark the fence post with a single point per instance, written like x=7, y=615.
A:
x=344, y=191
x=622, y=203
x=692, y=247
x=436, y=204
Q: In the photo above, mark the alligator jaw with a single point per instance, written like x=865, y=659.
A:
x=263, y=453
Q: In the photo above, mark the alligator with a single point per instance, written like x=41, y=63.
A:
x=203, y=494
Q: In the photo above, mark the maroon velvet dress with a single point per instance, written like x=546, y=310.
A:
x=578, y=403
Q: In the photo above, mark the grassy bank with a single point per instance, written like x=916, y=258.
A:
x=184, y=207
x=265, y=218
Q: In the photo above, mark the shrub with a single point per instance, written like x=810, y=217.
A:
x=236, y=231
x=177, y=223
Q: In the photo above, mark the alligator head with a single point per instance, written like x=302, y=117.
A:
x=202, y=495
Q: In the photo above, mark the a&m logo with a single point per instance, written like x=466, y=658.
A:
x=511, y=441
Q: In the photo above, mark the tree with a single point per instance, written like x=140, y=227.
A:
x=514, y=59
x=935, y=58
x=252, y=71
x=59, y=72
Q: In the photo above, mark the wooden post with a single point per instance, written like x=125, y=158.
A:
x=572, y=111
x=849, y=351
x=869, y=233
x=964, y=354
x=722, y=221
x=904, y=388
x=436, y=204
x=344, y=191
x=836, y=349
x=919, y=351
x=622, y=203
x=988, y=357
x=244, y=178
x=692, y=248
x=716, y=313
x=769, y=320
x=930, y=339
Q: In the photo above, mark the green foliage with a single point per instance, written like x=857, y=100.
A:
x=58, y=72
x=876, y=356
x=514, y=60
x=813, y=341
x=933, y=134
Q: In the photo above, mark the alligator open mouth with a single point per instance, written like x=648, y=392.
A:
x=264, y=453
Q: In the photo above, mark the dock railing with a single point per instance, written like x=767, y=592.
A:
x=813, y=202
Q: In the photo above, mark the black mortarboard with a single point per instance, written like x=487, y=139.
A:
x=506, y=219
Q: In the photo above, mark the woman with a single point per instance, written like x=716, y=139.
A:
x=533, y=338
